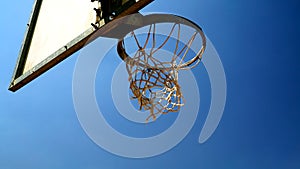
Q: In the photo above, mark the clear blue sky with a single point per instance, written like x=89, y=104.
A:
x=258, y=42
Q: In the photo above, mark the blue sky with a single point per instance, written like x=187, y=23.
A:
x=258, y=44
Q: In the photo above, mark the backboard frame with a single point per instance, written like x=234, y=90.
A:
x=20, y=78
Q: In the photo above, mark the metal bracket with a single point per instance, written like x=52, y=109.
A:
x=99, y=14
x=109, y=10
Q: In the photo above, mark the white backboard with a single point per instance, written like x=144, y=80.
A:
x=57, y=29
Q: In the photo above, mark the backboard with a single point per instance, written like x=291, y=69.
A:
x=58, y=28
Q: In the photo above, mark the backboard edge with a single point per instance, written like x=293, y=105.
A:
x=22, y=56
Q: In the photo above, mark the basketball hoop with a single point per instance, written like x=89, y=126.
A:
x=153, y=79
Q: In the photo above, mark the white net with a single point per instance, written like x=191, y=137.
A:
x=156, y=90
x=153, y=76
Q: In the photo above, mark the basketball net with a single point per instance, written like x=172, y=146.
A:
x=154, y=82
